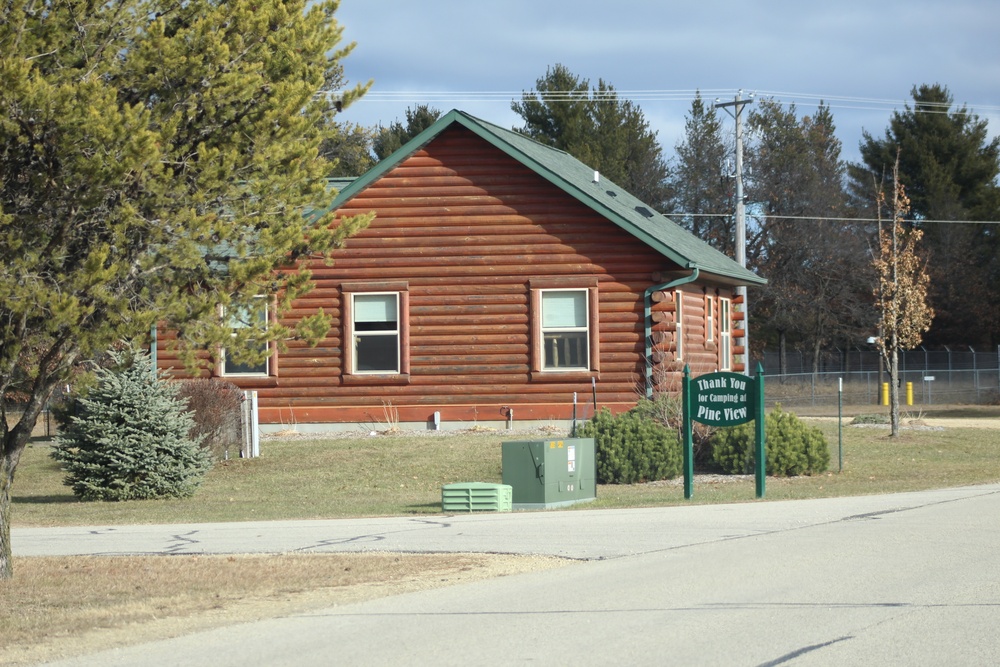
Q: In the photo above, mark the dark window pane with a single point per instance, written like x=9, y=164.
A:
x=374, y=326
x=233, y=368
x=376, y=354
x=566, y=350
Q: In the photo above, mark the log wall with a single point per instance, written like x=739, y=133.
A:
x=468, y=230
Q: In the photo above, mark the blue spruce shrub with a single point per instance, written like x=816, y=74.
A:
x=790, y=447
x=632, y=448
x=129, y=437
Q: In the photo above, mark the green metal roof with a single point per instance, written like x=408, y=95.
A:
x=340, y=182
x=577, y=180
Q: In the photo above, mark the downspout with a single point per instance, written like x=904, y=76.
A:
x=647, y=300
x=152, y=350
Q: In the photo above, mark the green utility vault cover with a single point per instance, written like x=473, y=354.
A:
x=476, y=497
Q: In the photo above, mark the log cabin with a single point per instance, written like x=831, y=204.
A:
x=501, y=281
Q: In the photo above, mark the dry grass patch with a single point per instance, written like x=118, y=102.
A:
x=56, y=607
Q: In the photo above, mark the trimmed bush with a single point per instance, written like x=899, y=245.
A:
x=632, y=448
x=791, y=447
x=128, y=438
x=215, y=405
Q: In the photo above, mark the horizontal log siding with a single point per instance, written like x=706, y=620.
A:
x=698, y=353
x=467, y=228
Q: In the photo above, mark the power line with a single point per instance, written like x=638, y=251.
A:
x=832, y=101
x=876, y=104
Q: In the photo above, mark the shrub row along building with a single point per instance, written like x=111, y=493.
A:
x=499, y=279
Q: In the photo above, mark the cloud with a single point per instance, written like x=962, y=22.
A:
x=479, y=57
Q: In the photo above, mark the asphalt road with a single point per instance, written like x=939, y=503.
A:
x=907, y=579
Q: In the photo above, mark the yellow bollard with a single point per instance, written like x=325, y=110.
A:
x=885, y=393
x=909, y=393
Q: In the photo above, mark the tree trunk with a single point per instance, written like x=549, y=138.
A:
x=894, y=392
x=782, y=355
x=11, y=446
x=6, y=483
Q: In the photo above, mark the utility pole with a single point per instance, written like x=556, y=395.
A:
x=741, y=228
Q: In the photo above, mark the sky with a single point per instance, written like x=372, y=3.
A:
x=862, y=58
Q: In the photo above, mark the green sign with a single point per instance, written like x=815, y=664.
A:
x=722, y=399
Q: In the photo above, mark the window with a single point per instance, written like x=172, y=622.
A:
x=243, y=318
x=565, y=332
x=376, y=333
x=565, y=328
x=725, y=336
x=709, y=318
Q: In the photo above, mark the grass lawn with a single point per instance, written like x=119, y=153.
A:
x=394, y=475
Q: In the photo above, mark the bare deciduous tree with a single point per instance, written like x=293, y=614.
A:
x=901, y=291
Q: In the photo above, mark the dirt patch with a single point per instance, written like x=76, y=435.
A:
x=918, y=422
x=983, y=422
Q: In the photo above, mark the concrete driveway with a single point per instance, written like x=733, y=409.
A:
x=880, y=580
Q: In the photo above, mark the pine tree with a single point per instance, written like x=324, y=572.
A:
x=598, y=129
x=348, y=147
x=949, y=166
x=388, y=140
x=819, y=278
x=129, y=438
x=700, y=187
x=158, y=159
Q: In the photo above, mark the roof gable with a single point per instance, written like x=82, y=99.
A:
x=582, y=183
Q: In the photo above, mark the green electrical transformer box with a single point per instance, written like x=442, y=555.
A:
x=549, y=473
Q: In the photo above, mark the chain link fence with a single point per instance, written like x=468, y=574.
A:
x=931, y=377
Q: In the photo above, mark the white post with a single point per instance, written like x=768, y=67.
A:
x=251, y=426
x=255, y=426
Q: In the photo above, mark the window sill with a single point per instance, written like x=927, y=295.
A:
x=394, y=379
x=564, y=376
x=251, y=381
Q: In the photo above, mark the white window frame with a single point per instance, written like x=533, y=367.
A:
x=355, y=335
x=725, y=334
x=237, y=324
x=709, y=318
x=549, y=333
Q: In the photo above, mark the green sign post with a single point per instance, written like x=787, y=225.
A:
x=723, y=399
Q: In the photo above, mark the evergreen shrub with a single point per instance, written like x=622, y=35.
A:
x=632, y=448
x=129, y=437
x=790, y=447
x=666, y=409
